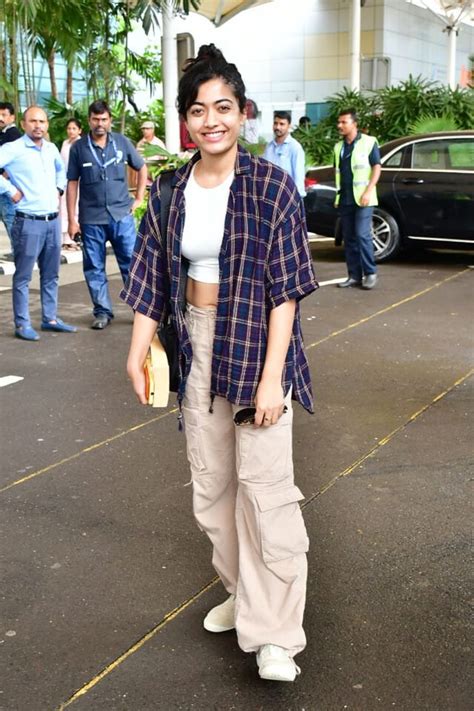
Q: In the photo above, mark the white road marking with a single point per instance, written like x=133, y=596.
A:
x=72, y=257
x=316, y=238
x=8, y=268
x=339, y=280
x=9, y=380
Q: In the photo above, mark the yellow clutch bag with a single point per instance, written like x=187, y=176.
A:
x=157, y=375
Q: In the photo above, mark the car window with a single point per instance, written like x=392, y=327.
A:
x=461, y=154
x=394, y=161
x=430, y=155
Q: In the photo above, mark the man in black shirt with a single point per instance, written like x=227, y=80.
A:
x=8, y=132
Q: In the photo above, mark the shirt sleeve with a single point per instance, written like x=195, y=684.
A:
x=135, y=160
x=299, y=169
x=144, y=290
x=60, y=170
x=5, y=155
x=374, y=157
x=290, y=273
x=7, y=187
x=73, y=167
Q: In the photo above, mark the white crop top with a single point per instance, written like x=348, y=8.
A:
x=204, y=228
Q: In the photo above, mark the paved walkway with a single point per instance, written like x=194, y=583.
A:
x=106, y=578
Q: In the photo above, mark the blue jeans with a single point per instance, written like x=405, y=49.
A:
x=356, y=223
x=35, y=241
x=121, y=236
x=7, y=214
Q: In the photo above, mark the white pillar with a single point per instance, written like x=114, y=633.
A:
x=452, y=36
x=355, y=45
x=170, y=78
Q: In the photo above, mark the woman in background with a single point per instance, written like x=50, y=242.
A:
x=74, y=131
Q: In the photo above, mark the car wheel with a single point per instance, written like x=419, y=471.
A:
x=386, y=235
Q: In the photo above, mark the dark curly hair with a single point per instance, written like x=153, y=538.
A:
x=209, y=64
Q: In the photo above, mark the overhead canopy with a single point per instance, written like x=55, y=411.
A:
x=219, y=11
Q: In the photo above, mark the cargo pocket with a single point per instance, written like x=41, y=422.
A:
x=283, y=536
x=193, y=440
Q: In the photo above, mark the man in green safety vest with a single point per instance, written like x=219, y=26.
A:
x=357, y=163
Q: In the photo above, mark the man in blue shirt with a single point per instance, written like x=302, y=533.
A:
x=38, y=178
x=99, y=162
x=285, y=151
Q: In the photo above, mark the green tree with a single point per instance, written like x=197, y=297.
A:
x=89, y=34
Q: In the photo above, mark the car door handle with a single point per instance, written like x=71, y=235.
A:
x=413, y=181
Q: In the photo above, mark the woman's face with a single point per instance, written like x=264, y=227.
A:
x=73, y=131
x=214, y=120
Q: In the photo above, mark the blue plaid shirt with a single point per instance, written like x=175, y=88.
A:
x=264, y=260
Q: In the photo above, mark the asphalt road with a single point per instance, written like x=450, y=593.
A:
x=105, y=578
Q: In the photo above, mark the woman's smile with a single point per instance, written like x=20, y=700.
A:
x=214, y=119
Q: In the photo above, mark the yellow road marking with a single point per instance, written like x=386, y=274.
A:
x=39, y=472
x=91, y=448
x=135, y=647
x=382, y=442
x=386, y=309
x=169, y=617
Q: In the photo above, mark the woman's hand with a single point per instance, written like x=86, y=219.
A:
x=269, y=399
x=269, y=402
x=144, y=328
x=136, y=373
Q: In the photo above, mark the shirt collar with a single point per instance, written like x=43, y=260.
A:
x=357, y=138
x=29, y=143
x=242, y=166
x=96, y=145
x=287, y=140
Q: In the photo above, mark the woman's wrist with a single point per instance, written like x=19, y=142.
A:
x=272, y=376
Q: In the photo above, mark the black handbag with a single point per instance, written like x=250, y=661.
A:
x=167, y=331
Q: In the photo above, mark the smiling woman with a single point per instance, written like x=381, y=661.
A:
x=236, y=234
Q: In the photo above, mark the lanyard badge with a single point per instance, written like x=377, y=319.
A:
x=103, y=165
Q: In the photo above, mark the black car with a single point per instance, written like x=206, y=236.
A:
x=425, y=194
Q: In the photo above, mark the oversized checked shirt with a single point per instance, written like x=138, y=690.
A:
x=264, y=261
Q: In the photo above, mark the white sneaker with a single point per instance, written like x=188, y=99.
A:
x=275, y=664
x=222, y=617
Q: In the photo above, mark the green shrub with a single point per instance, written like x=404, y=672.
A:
x=414, y=105
x=318, y=142
x=154, y=112
x=59, y=114
x=431, y=124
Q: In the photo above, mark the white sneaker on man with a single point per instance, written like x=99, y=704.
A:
x=222, y=617
x=275, y=664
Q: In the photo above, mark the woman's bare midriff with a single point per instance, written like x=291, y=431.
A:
x=200, y=294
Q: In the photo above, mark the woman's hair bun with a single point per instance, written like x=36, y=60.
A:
x=208, y=53
x=209, y=64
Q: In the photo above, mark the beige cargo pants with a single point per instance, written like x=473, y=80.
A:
x=245, y=499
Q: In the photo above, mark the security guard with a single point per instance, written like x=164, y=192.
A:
x=357, y=163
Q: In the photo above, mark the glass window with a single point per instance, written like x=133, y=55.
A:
x=461, y=154
x=394, y=161
x=430, y=155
